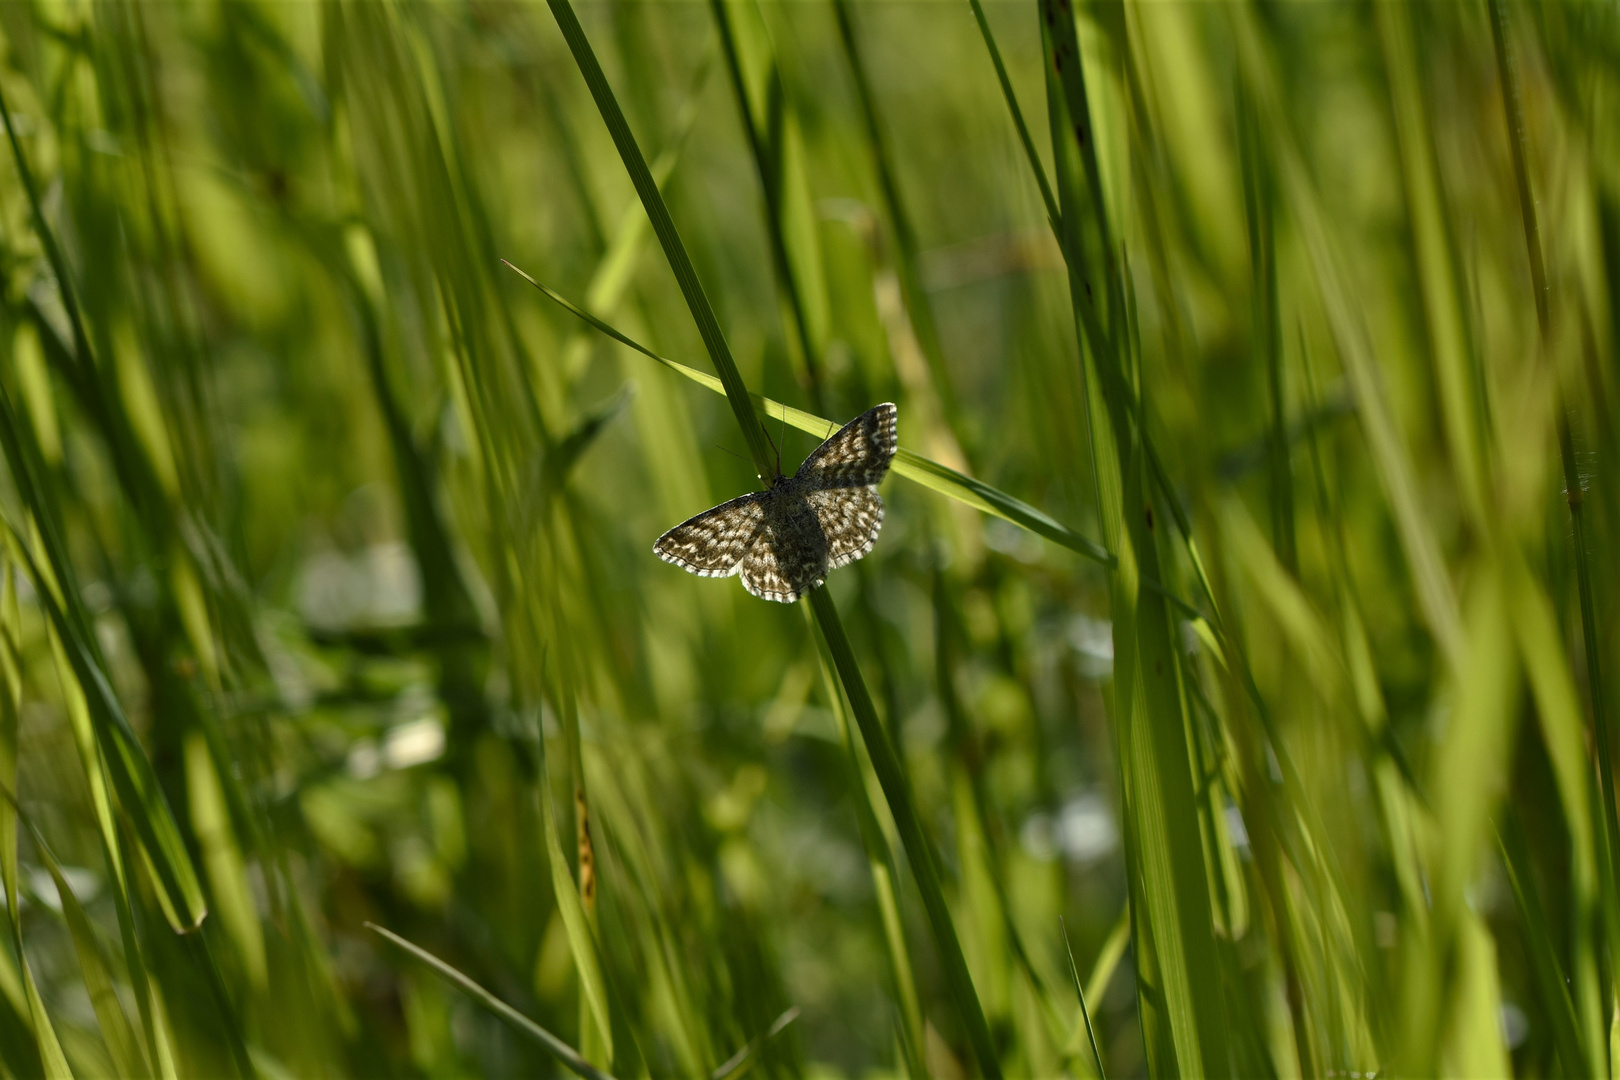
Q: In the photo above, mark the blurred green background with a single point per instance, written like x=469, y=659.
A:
x=1254, y=686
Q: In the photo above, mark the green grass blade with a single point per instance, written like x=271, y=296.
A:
x=919, y=850
x=1168, y=868
x=764, y=125
x=222, y=859
x=739, y=1063
x=674, y=249
x=907, y=464
x=918, y=309
x=1574, y=485
x=555, y=1046
x=1260, y=209
x=1109, y=956
x=580, y=941
x=1390, y=455
x=1030, y=153
x=139, y=793
x=1545, y=966
x=10, y=721
x=116, y=1030
x=876, y=838
x=50, y=1046
x=1080, y=992
x=1436, y=256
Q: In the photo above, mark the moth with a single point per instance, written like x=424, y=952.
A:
x=783, y=541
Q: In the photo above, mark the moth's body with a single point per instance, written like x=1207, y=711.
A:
x=784, y=540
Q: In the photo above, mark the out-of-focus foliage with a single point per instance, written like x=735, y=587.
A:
x=1280, y=342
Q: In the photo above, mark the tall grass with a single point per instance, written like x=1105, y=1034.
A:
x=1229, y=693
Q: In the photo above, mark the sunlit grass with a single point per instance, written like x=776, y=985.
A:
x=1230, y=690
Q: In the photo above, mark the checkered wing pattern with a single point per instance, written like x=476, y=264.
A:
x=850, y=519
x=857, y=454
x=790, y=557
x=784, y=541
x=714, y=543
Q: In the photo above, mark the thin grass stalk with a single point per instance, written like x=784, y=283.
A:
x=1024, y=139
x=919, y=850
x=139, y=792
x=558, y=1049
x=1259, y=203
x=1574, y=489
x=674, y=248
x=916, y=298
x=769, y=161
x=116, y=1031
x=885, y=879
x=1545, y=966
x=46, y=1050
x=948, y=661
x=884, y=762
x=1080, y=992
x=1161, y=803
x=1100, y=979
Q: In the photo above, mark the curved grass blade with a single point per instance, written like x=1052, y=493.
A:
x=116, y=1030
x=908, y=464
x=558, y=1049
x=139, y=794
x=131, y=770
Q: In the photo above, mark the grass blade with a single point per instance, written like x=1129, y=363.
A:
x=664, y=226
x=1024, y=139
x=767, y=137
x=1169, y=874
x=879, y=841
x=1574, y=485
x=919, y=850
x=738, y=1063
x=1551, y=982
x=555, y=1046
x=115, y=1026
x=919, y=312
x=1080, y=992
x=139, y=793
x=580, y=941
x=907, y=464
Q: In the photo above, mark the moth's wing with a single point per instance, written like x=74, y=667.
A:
x=850, y=519
x=857, y=454
x=713, y=543
x=790, y=556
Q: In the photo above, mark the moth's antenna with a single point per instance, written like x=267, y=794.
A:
x=733, y=453
x=784, y=439
x=764, y=427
